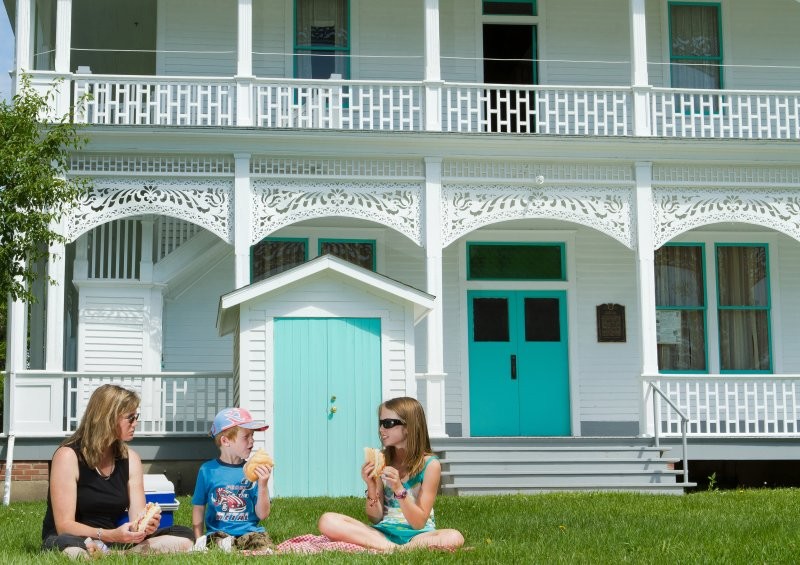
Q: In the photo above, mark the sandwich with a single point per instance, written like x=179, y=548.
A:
x=375, y=456
x=260, y=457
x=150, y=510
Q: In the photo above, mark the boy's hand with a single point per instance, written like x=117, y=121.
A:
x=263, y=472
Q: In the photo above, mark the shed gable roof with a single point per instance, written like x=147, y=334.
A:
x=326, y=265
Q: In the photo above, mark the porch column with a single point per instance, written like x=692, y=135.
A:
x=646, y=282
x=63, y=43
x=639, y=78
x=433, y=71
x=244, y=63
x=54, y=348
x=241, y=219
x=434, y=371
x=23, y=43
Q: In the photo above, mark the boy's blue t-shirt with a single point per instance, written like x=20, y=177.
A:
x=229, y=498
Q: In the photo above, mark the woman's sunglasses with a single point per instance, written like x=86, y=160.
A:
x=388, y=423
x=132, y=418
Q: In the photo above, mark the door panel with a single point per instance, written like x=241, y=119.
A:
x=327, y=388
x=520, y=385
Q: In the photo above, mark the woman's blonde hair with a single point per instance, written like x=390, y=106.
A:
x=98, y=427
x=418, y=444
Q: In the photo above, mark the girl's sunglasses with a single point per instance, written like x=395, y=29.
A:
x=132, y=418
x=388, y=423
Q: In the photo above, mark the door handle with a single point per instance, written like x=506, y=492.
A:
x=513, y=367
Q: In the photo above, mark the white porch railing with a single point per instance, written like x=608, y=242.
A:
x=730, y=406
x=338, y=104
x=550, y=110
x=162, y=101
x=728, y=114
x=52, y=404
x=602, y=111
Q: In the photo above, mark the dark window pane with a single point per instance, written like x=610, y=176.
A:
x=742, y=275
x=744, y=340
x=490, y=319
x=515, y=262
x=271, y=257
x=679, y=276
x=542, y=319
x=495, y=7
x=361, y=253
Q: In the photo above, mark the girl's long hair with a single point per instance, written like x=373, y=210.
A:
x=98, y=428
x=418, y=444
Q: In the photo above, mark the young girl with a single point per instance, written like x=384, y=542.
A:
x=400, y=500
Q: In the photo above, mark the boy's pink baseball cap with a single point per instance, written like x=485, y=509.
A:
x=230, y=417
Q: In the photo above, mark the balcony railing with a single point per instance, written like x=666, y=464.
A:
x=602, y=111
x=52, y=404
x=730, y=406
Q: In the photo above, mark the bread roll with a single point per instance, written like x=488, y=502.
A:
x=375, y=456
x=260, y=457
x=150, y=510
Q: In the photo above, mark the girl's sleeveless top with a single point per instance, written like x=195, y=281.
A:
x=392, y=514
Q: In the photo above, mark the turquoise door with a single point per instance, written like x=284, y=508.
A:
x=518, y=363
x=327, y=390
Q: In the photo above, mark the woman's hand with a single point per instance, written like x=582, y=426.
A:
x=152, y=524
x=125, y=535
x=392, y=478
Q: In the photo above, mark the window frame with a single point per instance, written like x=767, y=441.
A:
x=559, y=244
x=703, y=308
x=766, y=308
x=299, y=51
x=713, y=59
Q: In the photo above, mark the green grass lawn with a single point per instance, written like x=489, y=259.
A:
x=744, y=526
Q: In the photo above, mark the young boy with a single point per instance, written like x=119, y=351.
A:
x=225, y=501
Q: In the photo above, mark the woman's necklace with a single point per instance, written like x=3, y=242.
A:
x=111, y=472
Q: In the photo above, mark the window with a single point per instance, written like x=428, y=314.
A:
x=272, y=256
x=680, y=308
x=44, y=35
x=695, y=47
x=742, y=313
x=743, y=303
x=360, y=252
x=510, y=7
x=322, y=38
x=515, y=261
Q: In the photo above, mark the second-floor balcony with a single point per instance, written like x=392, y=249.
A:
x=418, y=106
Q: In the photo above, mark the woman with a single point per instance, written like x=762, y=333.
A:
x=95, y=479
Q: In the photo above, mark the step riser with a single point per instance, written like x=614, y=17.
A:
x=542, y=481
x=534, y=456
x=676, y=490
x=512, y=467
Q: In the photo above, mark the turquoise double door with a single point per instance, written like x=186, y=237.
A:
x=518, y=363
x=327, y=390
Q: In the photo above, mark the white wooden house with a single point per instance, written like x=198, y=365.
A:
x=596, y=203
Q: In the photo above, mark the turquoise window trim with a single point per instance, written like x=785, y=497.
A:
x=371, y=242
x=767, y=308
x=560, y=245
x=311, y=48
x=703, y=308
x=304, y=240
x=533, y=3
x=718, y=58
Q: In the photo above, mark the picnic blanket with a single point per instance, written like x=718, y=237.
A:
x=307, y=544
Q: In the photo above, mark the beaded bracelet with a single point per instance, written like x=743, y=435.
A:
x=370, y=501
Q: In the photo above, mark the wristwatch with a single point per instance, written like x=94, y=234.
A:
x=401, y=495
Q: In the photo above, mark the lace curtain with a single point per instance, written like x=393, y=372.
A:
x=695, y=46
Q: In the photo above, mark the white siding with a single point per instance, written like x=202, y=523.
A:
x=114, y=324
x=271, y=19
x=608, y=373
x=454, y=336
x=188, y=27
x=191, y=341
x=786, y=303
x=390, y=29
x=586, y=32
x=460, y=44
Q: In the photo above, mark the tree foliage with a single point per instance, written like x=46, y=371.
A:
x=35, y=190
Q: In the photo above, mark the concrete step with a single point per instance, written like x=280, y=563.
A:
x=530, y=454
x=579, y=477
x=513, y=466
x=662, y=488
